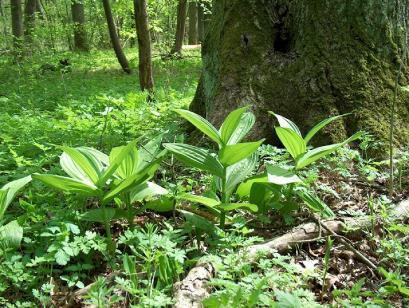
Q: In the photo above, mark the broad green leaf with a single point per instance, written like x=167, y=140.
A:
x=132, y=181
x=201, y=124
x=149, y=152
x=98, y=160
x=281, y=176
x=67, y=184
x=100, y=215
x=320, y=126
x=199, y=222
x=231, y=154
x=261, y=192
x=246, y=123
x=196, y=157
x=12, y=188
x=3, y=202
x=286, y=123
x=146, y=190
x=315, y=204
x=163, y=204
x=115, y=160
x=82, y=161
x=128, y=165
x=293, y=142
x=73, y=170
x=209, y=202
x=233, y=206
x=238, y=172
x=11, y=235
x=317, y=153
x=243, y=191
x=231, y=123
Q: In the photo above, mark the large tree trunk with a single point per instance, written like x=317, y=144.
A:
x=180, y=27
x=29, y=19
x=80, y=33
x=307, y=60
x=144, y=45
x=114, y=37
x=192, y=23
x=16, y=22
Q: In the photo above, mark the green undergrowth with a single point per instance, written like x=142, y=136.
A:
x=95, y=104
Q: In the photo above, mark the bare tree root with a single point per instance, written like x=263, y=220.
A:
x=190, y=292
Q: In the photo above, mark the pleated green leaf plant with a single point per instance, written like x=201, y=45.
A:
x=230, y=165
x=122, y=175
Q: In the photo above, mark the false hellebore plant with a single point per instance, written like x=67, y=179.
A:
x=123, y=175
x=230, y=165
x=278, y=186
x=11, y=233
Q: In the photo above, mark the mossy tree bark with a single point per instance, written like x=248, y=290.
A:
x=307, y=60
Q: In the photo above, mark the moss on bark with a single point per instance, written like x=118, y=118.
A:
x=307, y=60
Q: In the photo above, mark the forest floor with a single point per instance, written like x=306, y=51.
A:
x=95, y=104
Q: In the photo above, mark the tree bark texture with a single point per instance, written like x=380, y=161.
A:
x=180, y=26
x=200, y=22
x=78, y=18
x=16, y=22
x=144, y=45
x=114, y=37
x=192, y=23
x=307, y=60
x=29, y=20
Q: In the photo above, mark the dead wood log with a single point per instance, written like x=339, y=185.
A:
x=190, y=292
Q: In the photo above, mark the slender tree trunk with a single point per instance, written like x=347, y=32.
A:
x=4, y=22
x=29, y=20
x=200, y=22
x=192, y=23
x=16, y=23
x=144, y=45
x=78, y=17
x=308, y=60
x=114, y=37
x=180, y=27
x=207, y=15
x=40, y=10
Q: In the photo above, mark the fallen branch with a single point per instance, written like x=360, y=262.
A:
x=190, y=292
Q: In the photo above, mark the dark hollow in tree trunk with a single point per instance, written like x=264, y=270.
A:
x=307, y=60
x=29, y=20
x=192, y=23
x=144, y=45
x=78, y=18
x=180, y=27
x=16, y=22
x=200, y=22
x=114, y=37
